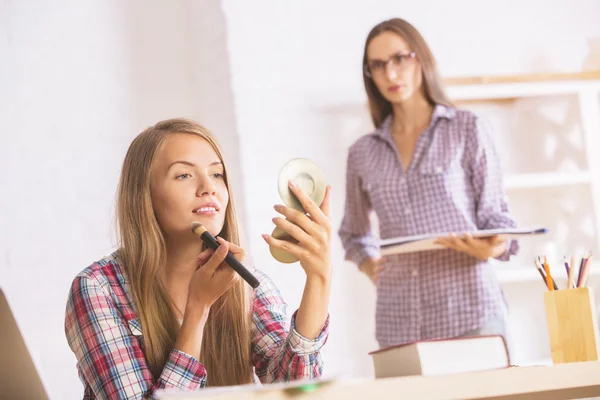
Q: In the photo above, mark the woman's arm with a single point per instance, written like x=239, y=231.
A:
x=313, y=233
x=279, y=352
x=491, y=210
x=298, y=358
x=208, y=283
x=488, y=184
x=355, y=231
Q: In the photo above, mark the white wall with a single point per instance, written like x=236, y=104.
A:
x=275, y=80
x=78, y=81
x=296, y=73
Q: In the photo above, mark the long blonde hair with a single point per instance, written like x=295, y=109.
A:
x=379, y=107
x=225, y=351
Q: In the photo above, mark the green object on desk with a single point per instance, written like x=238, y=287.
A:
x=307, y=388
x=311, y=387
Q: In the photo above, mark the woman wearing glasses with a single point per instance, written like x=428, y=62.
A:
x=428, y=167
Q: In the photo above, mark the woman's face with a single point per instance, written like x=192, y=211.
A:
x=187, y=185
x=396, y=74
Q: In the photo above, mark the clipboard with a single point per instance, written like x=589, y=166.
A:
x=416, y=243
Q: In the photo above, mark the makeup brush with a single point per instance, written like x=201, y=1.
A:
x=199, y=230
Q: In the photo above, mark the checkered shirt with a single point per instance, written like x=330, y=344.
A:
x=453, y=184
x=104, y=332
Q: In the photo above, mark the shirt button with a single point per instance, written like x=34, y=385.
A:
x=407, y=211
x=438, y=170
x=414, y=272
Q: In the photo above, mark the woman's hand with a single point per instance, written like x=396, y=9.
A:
x=481, y=249
x=372, y=267
x=210, y=281
x=312, y=231
x=213, y=277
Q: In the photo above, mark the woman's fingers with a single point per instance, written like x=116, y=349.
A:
x=296, y=232
x=226, y=276
x=470, y=242
x=204, y=256
x=299, y=218
x=309, y=206
x=238, y=252
x=454, y=242
x=215, y=260
x=495, y=240
x=307, y=229
x=290, y=247
x=482, y=245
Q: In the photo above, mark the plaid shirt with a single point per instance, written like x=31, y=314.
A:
x=453, y=184
x=104, y=332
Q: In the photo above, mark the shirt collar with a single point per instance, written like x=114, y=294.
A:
x=439, y=111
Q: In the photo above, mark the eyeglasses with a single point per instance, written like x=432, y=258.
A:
x=399, y=61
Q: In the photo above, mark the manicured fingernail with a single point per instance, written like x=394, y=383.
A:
x=278, y=207
x=265, y=236
x=293, y=184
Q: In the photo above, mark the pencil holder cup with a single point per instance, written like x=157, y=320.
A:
x=572, y=325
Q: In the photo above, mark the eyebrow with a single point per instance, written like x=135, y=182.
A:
x=399, y=52
x=191, y=164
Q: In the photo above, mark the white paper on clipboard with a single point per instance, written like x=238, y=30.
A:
x=411, y=244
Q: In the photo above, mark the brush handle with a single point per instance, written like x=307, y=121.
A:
x=231, y=261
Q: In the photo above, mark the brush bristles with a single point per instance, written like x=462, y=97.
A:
x=198, y=228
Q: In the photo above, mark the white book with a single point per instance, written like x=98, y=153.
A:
x=410, y=244
x=442, y=357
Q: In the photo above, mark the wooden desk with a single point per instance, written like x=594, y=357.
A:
x=564, y=381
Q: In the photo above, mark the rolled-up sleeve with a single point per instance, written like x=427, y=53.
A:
x=487, y=180
x=356, y=232
x=279, y=352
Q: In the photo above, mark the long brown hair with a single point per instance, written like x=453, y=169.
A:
x=379, y=107
x=225, y=348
